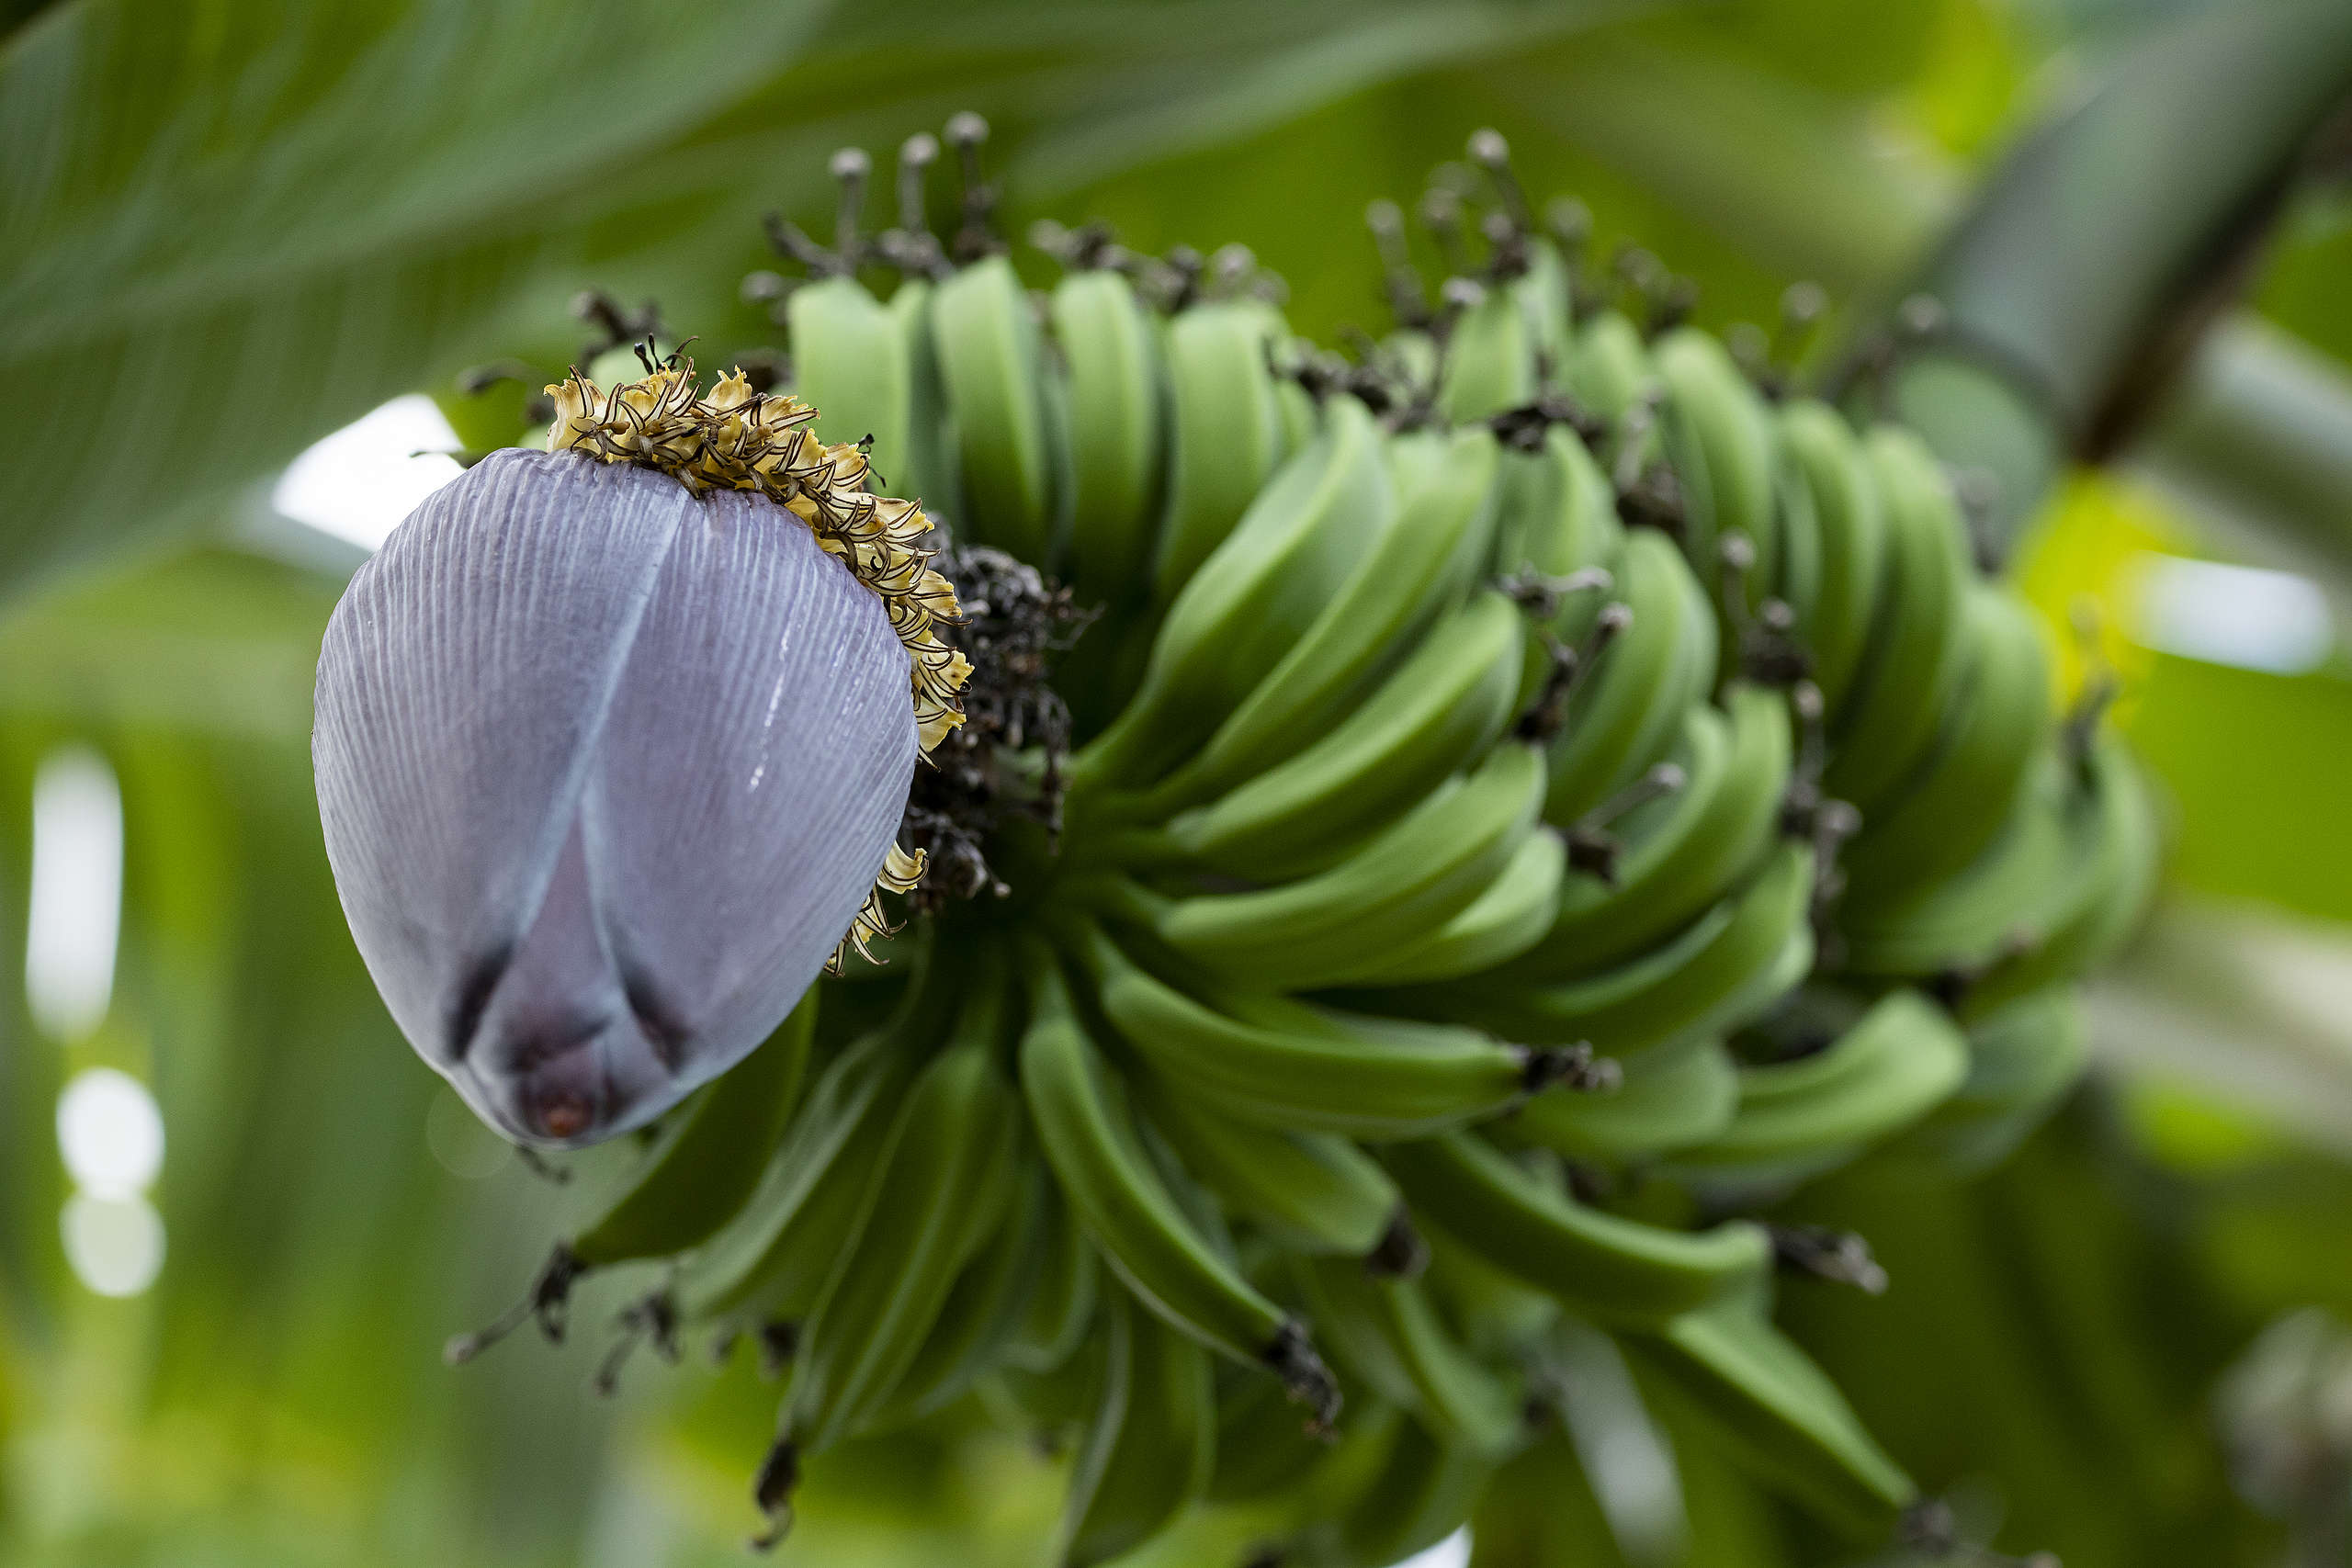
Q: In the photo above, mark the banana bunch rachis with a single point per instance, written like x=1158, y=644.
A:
x=1357, y=821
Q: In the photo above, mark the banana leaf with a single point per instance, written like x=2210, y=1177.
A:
x=230, y=226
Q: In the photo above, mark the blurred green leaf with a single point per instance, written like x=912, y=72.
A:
x=219, y=640
x=1973, y=76
x=1853, y=48
x=1797, y=176
x=233, y=226
x=2253, y=764
x=1245, y=91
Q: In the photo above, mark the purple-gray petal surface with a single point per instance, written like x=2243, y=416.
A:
x=604, y=771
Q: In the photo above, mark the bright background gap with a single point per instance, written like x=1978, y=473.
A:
x=76, y=912
x=2248, y=618
x=360, y=482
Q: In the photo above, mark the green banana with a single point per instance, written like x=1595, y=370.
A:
x=1388, y=1330
x=1143, y=1233
x=1290, y=1064
x=1781, y=1415
x=2061, y=884
x=2018, y=884
x=1314, y=1192
x=1261, y=1449
x=1511, y=915
x=1489, y=360
x=1053, y=1406
x=1199, y=1205
x=1730, y=964
x=2115, y=847
x=1555, y=512
x=1609, y=369
x=1227, y=432
x=927, y=470
x=1411, y=358
x=1626, y=710
x=1918, y=647
x=851, y=362
x=1798, y=581
x=1424, y=1492
x=1699, y=843
x=696, y=1174
x=1111, y=350
x=2022, y=1056
x=1150, y=1450
x=1543, y=292
x=1598, y=1264
x=1668, y=1099
x=1499, y=1316
x=1338, y=1295
x=1440, y=711
x=1253, y=598
x=1350, y=1470
x=1895, y=1064
x=1944, y=819
x=1540, y=1511
x=1410, y=574
x=772, y=1260
x=1344, y=924
x=1722, y=438
x=1295, y=407
x=983, y=1311
x=1825, y=462
x=1063, y=1296
x=990, y=361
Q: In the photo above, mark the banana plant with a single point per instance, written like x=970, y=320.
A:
x=1193, y=1064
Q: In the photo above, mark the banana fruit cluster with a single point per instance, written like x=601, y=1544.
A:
x=1533, y=790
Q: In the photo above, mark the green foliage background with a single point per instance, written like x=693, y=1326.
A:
x=228, y=227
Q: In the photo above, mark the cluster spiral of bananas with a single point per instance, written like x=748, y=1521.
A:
x=1532, y=797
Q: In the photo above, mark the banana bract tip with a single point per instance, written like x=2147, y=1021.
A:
x=605, y=769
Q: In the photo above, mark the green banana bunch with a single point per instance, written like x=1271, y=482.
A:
x=1524, y=759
